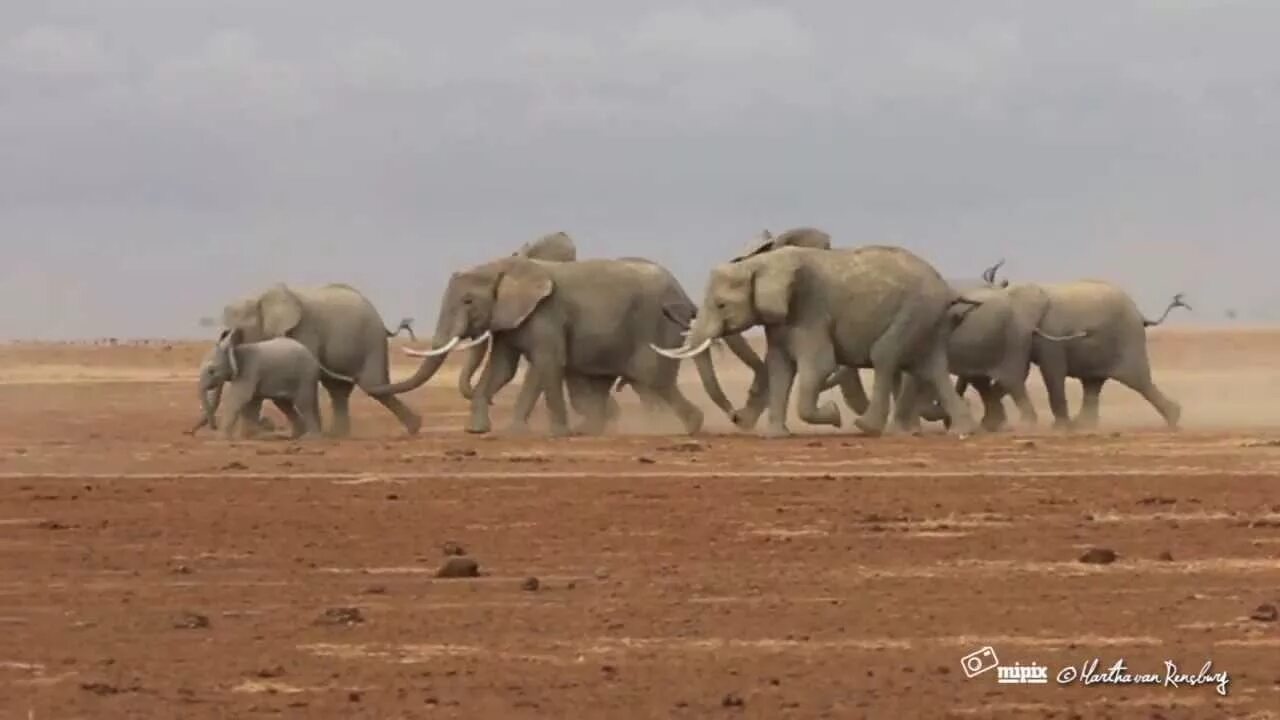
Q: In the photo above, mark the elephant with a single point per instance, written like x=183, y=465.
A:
x=875, y=306
x=848, y=380
x=1089, y=329
x=552, y=247
x=280, y=369
x=585, y=323
x=339, y=326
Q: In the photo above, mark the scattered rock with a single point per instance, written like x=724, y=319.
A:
x=459, y=567
x=689, y=446
x=375, y=590
x=1265, y=613
x=269, y=673
x=182, y=570
x=1026, y=444
x=602, y=574
x=341, y=616
x=104, y=689
x=530, y=584
x=53, y=525
x=191, y=621
x=1157, y=501
x=645, y=460
x=732, y=700
x=1165, y=556
x=1099, y=556
x=1260, y=443
x=458, y=454
x=354, y=696
x=235, y=465
x=452, y=548
x=392, y=496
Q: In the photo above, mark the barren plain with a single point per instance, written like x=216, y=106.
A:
x=145, y=573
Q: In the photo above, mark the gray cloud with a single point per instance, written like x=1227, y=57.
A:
x=157, y=158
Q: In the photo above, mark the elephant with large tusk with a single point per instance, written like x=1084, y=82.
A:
x=876, y=306
x=588, y=322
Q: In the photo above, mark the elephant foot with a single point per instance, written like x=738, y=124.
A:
x=412, y=425
x=477, y=428
x=561, y=431
x=869, y=428
x=825, y=414
x=744, y=419
x=589, y=429
x=1173, y=416
x=774, y=432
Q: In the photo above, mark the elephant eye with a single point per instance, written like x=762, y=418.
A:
x=466, y=301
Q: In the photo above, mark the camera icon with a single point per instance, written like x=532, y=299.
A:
x=979, y=661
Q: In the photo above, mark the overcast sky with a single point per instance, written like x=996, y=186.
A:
x=159, y=157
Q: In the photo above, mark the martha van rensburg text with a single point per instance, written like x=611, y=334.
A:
x=1087, y=674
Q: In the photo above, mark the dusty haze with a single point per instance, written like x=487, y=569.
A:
x=157, y=158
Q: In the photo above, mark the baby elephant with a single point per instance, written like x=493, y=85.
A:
x=281, y=369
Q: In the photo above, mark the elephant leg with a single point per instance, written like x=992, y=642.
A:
x=689, y=415
x=589, y=397
x=886, y=357
x=907, y=404
x=502, y=366
x=1053, y=369
x=993, y=415
x=934, y=372
x=1088, y=417
x=782, y=374
x=297, y=427
x=340, y=397
x=530, y=391
x=757, y=402
x=1018, y=391
x=237, y=400
x=409, y=419
x=550, y=374
x=818, y=362
x=855, y=395
x=1139, y=380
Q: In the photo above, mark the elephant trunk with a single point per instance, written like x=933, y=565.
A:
x=210, y=399
x=475, y=357
x=447, y=339
x=710, y=383
x=699, y=338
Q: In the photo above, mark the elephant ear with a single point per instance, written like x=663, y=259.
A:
x=521, y=287
x=762, y=244
x=772, y=286
x=555, y=247
x=281, y=311
x=1030, y=303
x=804, y=237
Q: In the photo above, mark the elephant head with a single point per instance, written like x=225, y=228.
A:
x=795, y=237
x=752, y=291
x=552, y=247
x=275, y=313
x=492, y=298
x=219, y=367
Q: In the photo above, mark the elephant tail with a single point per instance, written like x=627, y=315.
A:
x=1176, y=302
x=406, y=326
x=336, y=376
x=1061, y=338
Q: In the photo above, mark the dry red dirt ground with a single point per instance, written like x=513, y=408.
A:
x=145, y=573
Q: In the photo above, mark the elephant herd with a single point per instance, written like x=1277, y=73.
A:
x=588, y=328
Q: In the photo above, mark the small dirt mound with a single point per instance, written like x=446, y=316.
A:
x=459, y=567
x=1099, y=556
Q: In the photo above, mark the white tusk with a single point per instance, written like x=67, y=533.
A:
x=472, y=343
x=677, y=354
x=700, y=349
x=432, y=353
x=683, y=352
